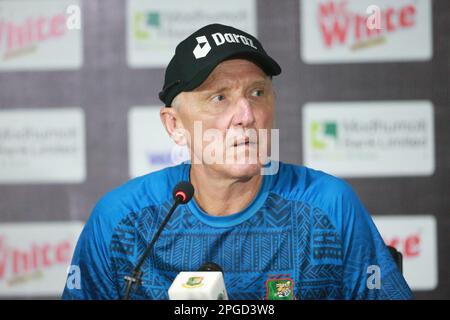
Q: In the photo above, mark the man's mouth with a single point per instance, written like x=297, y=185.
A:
x=244, y=141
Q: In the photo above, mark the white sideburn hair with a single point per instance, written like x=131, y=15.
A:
x=176, y=103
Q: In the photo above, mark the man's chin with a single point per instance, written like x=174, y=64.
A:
x=240, y=171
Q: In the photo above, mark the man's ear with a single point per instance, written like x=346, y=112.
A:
x=174, y=127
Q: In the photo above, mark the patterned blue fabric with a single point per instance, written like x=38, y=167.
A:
x=303, y=224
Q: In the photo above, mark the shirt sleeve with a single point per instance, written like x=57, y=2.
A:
x=90, y=275
x=369, y=271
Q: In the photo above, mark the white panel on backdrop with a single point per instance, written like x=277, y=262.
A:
x=34, y=257
x=42, y=146
x=154, y=28
x=36, y=35
x=150, y=147
x=336, y=31
x=416, y=238
x=366, y=139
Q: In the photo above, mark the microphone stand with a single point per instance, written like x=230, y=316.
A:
x=135, y=277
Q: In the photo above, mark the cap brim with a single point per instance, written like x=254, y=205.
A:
x=266, y=63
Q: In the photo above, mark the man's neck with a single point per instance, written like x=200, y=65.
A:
x=221, y=197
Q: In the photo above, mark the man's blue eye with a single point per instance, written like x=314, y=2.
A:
x=258, y=93
x=219, y=97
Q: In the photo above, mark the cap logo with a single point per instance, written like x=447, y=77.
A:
x=202, y=48
x=220, y=39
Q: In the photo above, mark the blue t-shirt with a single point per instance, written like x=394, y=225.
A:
x=305, y=235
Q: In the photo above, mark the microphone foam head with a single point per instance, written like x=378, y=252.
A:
x=210, y=266
x=183, y=191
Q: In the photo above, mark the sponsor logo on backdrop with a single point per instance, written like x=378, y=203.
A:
x=153, y=35
x=364, y=139
x=40, y=35
x=34, y=257
x=334, y=31
x=150, y=147
x=42, y=146
x=416, y=238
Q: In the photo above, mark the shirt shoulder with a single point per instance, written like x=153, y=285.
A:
x=148, y=190
x=295, y=182
x=326, y=198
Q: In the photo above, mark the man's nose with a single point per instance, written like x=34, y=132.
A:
x=244, y=115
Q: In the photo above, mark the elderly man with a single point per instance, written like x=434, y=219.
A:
x=286, y=233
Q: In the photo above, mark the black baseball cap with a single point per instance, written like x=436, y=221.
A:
x=197, y=56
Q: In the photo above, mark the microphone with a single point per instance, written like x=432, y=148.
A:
x=182, y=194
x=205, y=284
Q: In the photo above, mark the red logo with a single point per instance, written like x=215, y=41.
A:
x=21, y=38
x=16, y=262
x=409, y=246
x=338, y=25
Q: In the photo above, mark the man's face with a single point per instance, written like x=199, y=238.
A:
x=237, y=100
